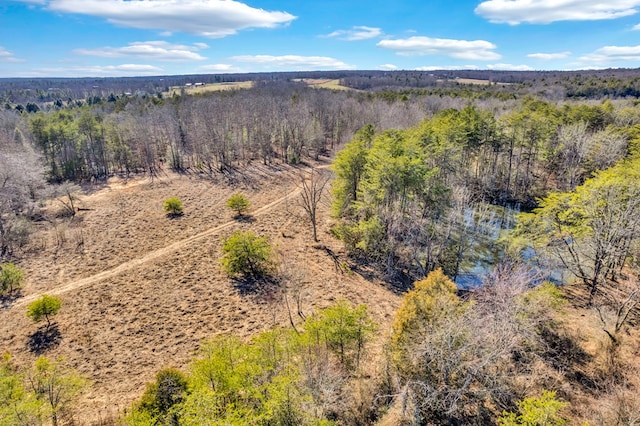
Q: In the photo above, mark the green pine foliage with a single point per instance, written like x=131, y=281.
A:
x=432, y=303
x=349, y=166
x=18, y=405
x=173, y=206
x=157, y=403
x=56, y=385
x=245, y=253
x=590, y=230
x=280, y=377
x=544, y=410
x=239, y=203
x=11, y=278
x=343, y=330
x=31, y=396
x=44, y=308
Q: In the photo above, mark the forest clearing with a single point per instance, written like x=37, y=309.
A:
x=171, y=295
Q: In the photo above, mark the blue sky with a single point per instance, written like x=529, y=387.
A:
x=104, y=38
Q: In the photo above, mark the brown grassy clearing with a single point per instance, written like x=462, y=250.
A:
x=210, y=87
x=141, y=291
x=472, y=81
x=323, y=83
x=217, y=87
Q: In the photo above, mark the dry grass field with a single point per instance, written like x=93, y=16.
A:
x=141, y=290
x=472, y=81
x=213, y=87
x=319, y=83
x=217, y=87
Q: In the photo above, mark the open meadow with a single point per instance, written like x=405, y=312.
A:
x=141, y=290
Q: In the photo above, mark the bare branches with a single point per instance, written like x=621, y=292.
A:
x=452, y=355
x=311, y=195
x=616, y=303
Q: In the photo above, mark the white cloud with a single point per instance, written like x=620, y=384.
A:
x=294, y=62
x=501, y=67
x=156, y=50
x=479, y=50
x=356, y=33
x=447, y=67
x=218, y=68
x=636, y=27
x=208, y=18
x=99, y=71
x=514, y=12
x=549, y=56
x=509, y=67
x=579, y=67
x=6, y=56
x=612, y=54
x=387, y=67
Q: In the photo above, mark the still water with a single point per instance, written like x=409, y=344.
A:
x=482, y=231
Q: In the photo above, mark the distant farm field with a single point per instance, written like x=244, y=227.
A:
x=212, y=87
x=319, y=83
x=331, y=84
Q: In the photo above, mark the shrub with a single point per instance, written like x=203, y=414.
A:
x=45, y=307
x=173, y=206
x=239, y=203
x=536, y=411
x=247, y=253
x=165, y=392
x=10, y=278
x=343, y=329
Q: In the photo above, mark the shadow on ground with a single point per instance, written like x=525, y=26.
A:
x=264, y=287
x=244, y=218
x=6, y=300
x=44, y=338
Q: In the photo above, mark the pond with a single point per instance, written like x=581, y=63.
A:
x=481, y=230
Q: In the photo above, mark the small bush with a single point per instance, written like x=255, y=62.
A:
x=173, y=206
x=248, y=254
x=10, y=278
x=169, y=389
x=44, y=308
x=238, y=203
x=544, y=410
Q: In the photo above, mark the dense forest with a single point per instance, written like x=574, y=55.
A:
x=420, y=163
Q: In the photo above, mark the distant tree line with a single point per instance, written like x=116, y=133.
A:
x=50, y=93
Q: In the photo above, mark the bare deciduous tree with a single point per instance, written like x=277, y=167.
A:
x=451, y=355
x=311, y=195
x=21, y=182
x=616, y=303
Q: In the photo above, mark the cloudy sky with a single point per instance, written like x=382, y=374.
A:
x=72, y=38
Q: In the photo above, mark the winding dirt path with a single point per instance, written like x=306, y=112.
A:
x=153, y=255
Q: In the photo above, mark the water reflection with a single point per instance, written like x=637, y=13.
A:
x=481, y=233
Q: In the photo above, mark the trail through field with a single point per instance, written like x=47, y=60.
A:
x=129, y=265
